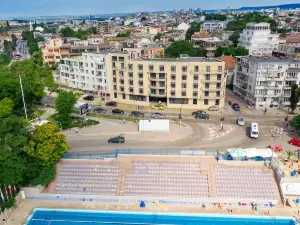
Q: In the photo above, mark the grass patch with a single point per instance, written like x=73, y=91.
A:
x=115, y=117
x=35, y=114
x=75, y=122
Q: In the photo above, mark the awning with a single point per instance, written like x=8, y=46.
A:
x=251, y=152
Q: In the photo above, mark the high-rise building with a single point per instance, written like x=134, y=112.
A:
x=191, y=11
x=199, y=11
x=187, y=82
x=175, y=11
x=87, y=72
x=257, y=38
x=183, y=11
x=266, y=81
x=106, y=27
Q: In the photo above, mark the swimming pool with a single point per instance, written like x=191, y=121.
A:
x=89, y=217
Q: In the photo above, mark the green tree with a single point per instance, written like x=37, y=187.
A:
x=93, y=30
x=294, y=99
x=39, y=38
x=14, y=40
x=64, y=105
x=12, y=167
x=183, y=47
x=13, y=132
x=288, y=20
x=194, y=27
x=44, y=176
x=157, y=36
x=5, y=59
x=125, y=34
x=47, y=145
x=8, y=46
x=296, y=122
x=82, y=34
x=213, y=16
x=234, y=37
x=67, y=32
x=233, y=51
x=6, y=107
x=7, y=24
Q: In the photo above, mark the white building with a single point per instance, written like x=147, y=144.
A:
x=266, y=81
x=183, y=27
x=87, y=72
x=211, y=25
x=257, y=38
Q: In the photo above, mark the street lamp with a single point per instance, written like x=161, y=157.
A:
x=23, y=96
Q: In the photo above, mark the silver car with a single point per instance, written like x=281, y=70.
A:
x=213, y=108
x=158, y=116
x=241, y=121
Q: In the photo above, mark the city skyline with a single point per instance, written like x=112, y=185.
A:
x=78, y=7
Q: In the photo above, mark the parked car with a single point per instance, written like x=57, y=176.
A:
x=295, y=141
x=118, y=139
x=89, y=98
x=157, y=116
x=196, y=112
x=241, y=121
x=137, y=114
x=203, y=116
x=236, y=107
x=112, y=104
x=275, y=148
x=99, y=110
x=213, y=108
x=160, y=107
x=117, y=111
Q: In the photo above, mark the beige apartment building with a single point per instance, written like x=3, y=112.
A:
x=186, y=82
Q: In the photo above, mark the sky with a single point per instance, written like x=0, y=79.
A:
x=28, y=8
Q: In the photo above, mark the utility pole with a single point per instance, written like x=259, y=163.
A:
x=23, y=97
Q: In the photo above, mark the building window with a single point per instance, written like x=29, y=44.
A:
x=206, y=86
x=173, y=77
x=114, y=58
x=218, y=85
x=161, y=92
x=173, y=68
x=151, y=67
x=113, y=65
x=161, y=68
x=181, y=101
x=141, y=76
x=195, y=86
x=220, y=68
x=218, y=94
x=131, y=90
x=183, y=77
x=92, y=65
x=153, y=91
x=172, y=93
x=140, y=67
x=217, y=102
x=207, y=68
x=195, y=101
x=161, y=76
x=196, y=69
x=196, y=77
x=153, y=75
x=205, y=101
x=183, y=93
x=130, y=74
x=115, y=95
x=183, y=85
x=130, y=66
x=207, y=93
x=219, y=76
x=184, y=69
x=92, y=72
x=207, y=77
x=173, y=85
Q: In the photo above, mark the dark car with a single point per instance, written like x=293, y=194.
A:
x=88, y=98
x=236, y=107
x=158, y=116
x=117, y=111
x=112, y=104
x=203, y=116
x=197, y=112
x=119, y=139
x=137, y=114
x=99, y=110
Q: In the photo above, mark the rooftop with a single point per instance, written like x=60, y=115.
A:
x=229, y=61
x=180, y=59
x=258, y=59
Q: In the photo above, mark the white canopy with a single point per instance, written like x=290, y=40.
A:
x=291, y=188
x=251, y=152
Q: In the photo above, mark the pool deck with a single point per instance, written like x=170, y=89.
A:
x=19, y=216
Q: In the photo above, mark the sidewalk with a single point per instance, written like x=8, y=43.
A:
x=111, y=128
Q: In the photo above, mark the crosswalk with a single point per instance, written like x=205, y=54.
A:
x=216, y=131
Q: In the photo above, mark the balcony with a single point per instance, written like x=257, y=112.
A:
x=272, y=87
x=290, y=78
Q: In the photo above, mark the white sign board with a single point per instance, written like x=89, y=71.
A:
x=154, y=125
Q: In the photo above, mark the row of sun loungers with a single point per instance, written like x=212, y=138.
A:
x=88, y=166
x=91, y=178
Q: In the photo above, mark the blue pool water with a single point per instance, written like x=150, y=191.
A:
x=84, y=217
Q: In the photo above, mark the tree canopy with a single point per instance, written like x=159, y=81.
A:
x=194, y=27
x=296, y=122
x=125, y=34
x=47, y=145
x=295, y=95
x=69, y=32
x=234, y=37
x=5, y=59
x=241, y=21
x=183, y=47
x=64, y=105
x=233, y=51
x=213, y=16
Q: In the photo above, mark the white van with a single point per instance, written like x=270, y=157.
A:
x=254, y=130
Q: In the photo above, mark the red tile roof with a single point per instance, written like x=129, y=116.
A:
x=201, y=35
x=229, y=61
